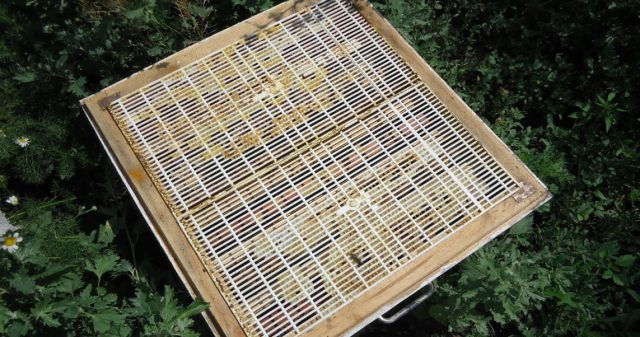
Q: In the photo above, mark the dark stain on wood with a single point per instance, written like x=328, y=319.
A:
x=104, y=102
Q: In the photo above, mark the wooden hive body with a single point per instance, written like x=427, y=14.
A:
x=305, y=170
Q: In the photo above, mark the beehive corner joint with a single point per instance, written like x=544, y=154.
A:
x=523, y=192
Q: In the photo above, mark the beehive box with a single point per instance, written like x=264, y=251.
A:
x=305, y=170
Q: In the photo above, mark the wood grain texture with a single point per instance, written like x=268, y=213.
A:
x=375, y=300
x=163, y=223
x=450, y=98
x=219, y=317
x=196, y=51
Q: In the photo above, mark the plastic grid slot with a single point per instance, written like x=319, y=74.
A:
x=306, y=163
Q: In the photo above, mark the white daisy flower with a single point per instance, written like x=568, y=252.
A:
x=13, y=200
x=23, y=141
x=10, y=242
x=5, y=226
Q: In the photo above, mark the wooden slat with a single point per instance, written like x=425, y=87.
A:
x=164, y=225
x=375, y=301
x=411, y=278
x=219, y=317
x=367, y=305
x=196, y=51
x=494, y=145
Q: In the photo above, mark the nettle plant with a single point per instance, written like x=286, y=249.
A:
x=67, y=288
x=60, y=274
x=556, y=80
x=58, y=280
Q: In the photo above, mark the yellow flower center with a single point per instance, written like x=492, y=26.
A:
x=10, y=241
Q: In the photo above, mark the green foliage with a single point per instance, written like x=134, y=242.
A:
x=67, y=276
x=254, y=6
x=556, y=80
x=43, y=294
x=544, y=291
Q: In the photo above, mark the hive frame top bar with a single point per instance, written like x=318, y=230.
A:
x=517, y=201
x=196, y=51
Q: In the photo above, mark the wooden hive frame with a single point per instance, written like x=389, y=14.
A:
x=371, y=301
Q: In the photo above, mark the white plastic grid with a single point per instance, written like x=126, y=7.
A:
x=307, y=163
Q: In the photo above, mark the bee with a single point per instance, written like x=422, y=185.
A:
x=355, y=258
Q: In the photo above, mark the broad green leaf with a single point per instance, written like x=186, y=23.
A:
x=625, y=260
x=103, y=320
x=608, y=122
x=135, y=13
x=200, y=11
x=105, y=233
x=619, y=280
x=102, y=265
x=69, y=283
x=17, y=329
x=23, y=283
x=523, y=226
x=25, y=77
x=169, y=310
x=44, y=313
x=154, y=51
x=77, y=87
x=563, y=297
x=194, y=308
